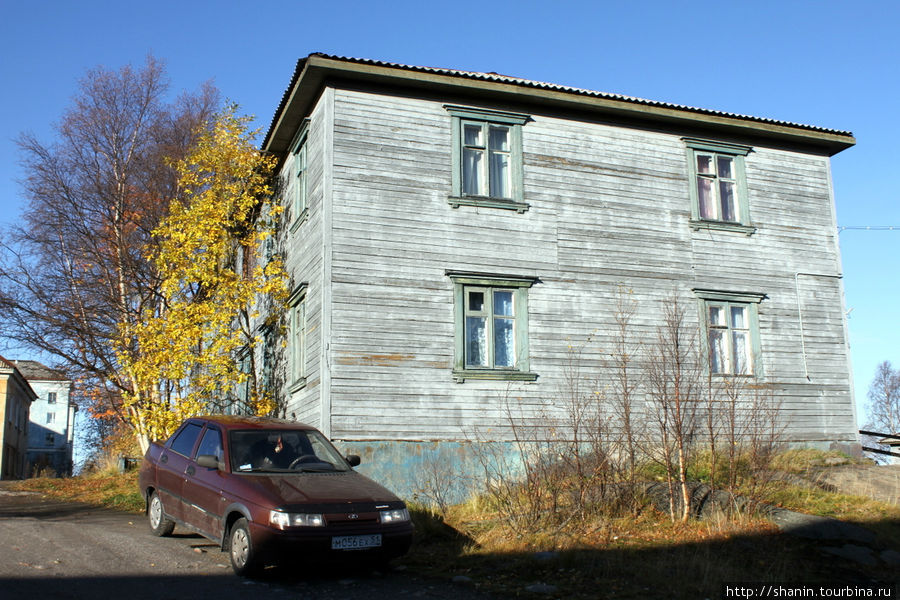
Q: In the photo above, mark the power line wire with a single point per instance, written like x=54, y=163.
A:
x=869, y=227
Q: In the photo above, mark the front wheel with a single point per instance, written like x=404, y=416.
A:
x=159, y=524
x=243, y=555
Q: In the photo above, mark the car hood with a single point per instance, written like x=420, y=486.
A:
x=289, y=489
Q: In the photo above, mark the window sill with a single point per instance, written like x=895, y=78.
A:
x=722, y=226
x=746, y=376
x=300, y=220
x=485, y=202
x=493, y=374
x=297, y=385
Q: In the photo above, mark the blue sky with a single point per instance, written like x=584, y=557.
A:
x=834, y=64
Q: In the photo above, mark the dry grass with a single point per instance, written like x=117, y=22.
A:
x=642, y=556
x=108, y=488
x=647, y=555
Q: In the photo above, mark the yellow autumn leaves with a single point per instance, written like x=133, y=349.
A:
x=214, y=277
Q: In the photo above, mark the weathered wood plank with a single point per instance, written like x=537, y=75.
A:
x=609, y=207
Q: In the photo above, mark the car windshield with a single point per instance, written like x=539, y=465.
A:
x=283, y=451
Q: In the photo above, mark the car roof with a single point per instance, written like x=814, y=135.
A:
x=230, y=422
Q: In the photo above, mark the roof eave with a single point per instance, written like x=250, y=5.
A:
x=313, y=72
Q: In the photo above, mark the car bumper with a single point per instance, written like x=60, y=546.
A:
x=313, y=542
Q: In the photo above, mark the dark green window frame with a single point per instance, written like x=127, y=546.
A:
x=486, y=120
x=723, y=303
x=491, y=286
x=297, y=343
x=242, y=390
x=298, y=177
x=716, y=153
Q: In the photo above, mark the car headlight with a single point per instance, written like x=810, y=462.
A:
x=283, y=520
x=394, y=516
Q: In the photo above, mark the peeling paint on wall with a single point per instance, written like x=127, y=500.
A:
x=430, y=472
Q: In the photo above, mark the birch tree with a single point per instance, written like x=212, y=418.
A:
x=884, y=402
x=75, y=268
x=181, y=354
x=674, y=380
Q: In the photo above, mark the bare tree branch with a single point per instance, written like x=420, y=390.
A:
x=74, y=268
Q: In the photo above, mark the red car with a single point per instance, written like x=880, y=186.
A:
x=268, y=491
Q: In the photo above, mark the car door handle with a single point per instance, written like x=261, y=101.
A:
x=164, y=459
x=190, y=470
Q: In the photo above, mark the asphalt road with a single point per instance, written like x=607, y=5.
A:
x=54, y=549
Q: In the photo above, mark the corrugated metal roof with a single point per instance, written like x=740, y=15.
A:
x=540, y=85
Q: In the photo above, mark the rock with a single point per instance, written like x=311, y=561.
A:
x=833, y=461
x=858, y=554
x=541, y=588
x=461, y=579
x=546, y=555
x=890, y=557
x=880, y=482
x=818, y=528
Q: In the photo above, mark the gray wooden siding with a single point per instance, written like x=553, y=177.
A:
x=609, y=207
x=304, y=263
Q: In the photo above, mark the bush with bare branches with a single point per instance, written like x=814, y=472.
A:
x=585, y=455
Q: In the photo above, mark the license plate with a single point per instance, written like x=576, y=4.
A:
x=355, y=542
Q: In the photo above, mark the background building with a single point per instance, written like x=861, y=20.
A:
x=16, y=397
x=52, y=421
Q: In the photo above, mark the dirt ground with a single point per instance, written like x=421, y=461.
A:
x=56, y=549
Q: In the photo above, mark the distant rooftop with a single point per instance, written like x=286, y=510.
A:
x=32, y=370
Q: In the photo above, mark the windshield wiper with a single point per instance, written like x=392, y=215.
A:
x=324, y=468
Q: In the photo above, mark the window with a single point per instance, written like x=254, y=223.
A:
x=491, y=326
x=51, y=397
x=298, y=177
x=732, y=331
x=211, y=444
x=50, y=439
x=730, y=351
x=183, y=442
x=51, y=418
x=487, y=158
x=297, y=342
x=718, y=186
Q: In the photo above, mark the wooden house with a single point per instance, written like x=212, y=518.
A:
x=451, y=236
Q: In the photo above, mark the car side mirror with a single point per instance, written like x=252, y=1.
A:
x=207, y=461
x=354, y=460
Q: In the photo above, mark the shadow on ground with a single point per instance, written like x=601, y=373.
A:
x=692, y=570
x=445, y=564
x=862, y=556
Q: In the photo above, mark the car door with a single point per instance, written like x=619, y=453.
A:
x=203, y=499
x=173, y=462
